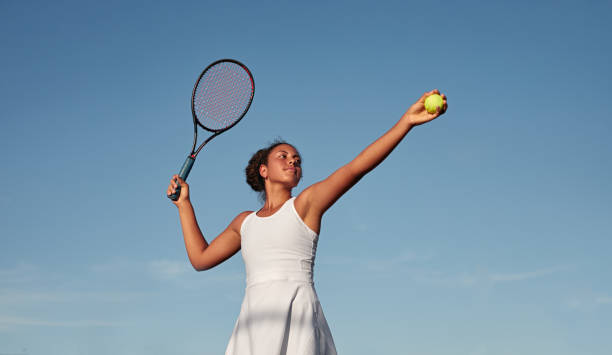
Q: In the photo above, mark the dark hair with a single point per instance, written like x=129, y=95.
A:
x=253, y=178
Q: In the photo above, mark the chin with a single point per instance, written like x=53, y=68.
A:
x=294, y=184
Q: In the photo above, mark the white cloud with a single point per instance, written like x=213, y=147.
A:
x=481, y=349
x=391, y=263
x=114, y=266
x=360, y=227
x=396, y=261
x=155, y=269
x=6, y=321
x=20, y=274
x=96, y=288
x=603, y=300
x=477, y=278
x=463, y=279
x=574, y=303
x=526, y=275
x=12, y=296
x=179, y=272
x=27, y=284
x=588, y=302
x=167, y=269
x=408, y=262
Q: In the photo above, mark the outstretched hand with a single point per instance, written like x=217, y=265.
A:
x=417, y=114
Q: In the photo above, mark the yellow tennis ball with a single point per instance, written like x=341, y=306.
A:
x=432, y=102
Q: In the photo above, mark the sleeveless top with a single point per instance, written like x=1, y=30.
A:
x=280, y=246
x=280, y=313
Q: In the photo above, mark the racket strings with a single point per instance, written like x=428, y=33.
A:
x=222, y=95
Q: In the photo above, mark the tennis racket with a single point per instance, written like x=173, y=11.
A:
x=221, y=97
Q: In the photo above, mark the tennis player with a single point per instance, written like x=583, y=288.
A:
x=281, y=313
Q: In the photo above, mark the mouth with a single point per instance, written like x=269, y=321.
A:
x=292, y=171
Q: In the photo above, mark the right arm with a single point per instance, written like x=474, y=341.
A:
x=203, y=255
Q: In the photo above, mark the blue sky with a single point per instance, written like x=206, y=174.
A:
x=487, y=231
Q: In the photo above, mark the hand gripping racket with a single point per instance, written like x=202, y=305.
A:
x=221, y=97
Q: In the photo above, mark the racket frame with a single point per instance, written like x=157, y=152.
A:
x=197, y=122
x=188, y=164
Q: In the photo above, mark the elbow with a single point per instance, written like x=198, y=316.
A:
x=200, y=267
x=199, y=262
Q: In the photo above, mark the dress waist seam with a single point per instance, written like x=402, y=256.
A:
x=299, y=277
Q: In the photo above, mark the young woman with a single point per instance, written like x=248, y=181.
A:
x=280, y=313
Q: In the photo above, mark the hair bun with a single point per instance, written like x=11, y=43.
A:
x=253, y=178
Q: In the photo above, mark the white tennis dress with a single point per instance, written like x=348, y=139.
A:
x=280, y=313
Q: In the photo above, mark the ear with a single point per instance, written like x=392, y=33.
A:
x=263, y=171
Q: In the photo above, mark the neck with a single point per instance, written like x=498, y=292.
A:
x=276, y=198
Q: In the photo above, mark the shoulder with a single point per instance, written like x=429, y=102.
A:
x=236, y=224
x=242, y=215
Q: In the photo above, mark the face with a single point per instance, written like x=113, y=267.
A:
x=284, y=166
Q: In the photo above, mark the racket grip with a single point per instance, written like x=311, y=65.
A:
x=183, y=174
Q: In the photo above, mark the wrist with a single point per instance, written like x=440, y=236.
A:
x=184, y=204
x=407, y=122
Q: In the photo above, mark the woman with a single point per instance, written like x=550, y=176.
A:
x=280, y=313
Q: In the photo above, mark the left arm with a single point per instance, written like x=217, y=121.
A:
x=316, y=199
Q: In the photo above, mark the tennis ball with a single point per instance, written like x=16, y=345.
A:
x=432, y=102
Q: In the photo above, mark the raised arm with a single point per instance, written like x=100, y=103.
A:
x=203, y=255
x=316, y=199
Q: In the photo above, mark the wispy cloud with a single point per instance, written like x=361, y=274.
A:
x=420, y=267
x=17, y=271
x=408, y=263
x=588, y=302
x=168, y=269
x=446, y=279
x=164, y=270
x=480, y=349
x=360, y=226
x=394, y=262
x=10, y=321
x=23, y=273
x=481, y=277
x=25, y=285
x=161, y=269
x=603, y=300
x=113, y=285
x=525, y=275
x=13, y=296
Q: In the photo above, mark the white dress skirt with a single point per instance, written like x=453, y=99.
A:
x=280, y=313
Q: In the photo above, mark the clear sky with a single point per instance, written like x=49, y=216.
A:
x=487, y=231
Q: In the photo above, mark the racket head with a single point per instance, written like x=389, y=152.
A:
x=222, y=95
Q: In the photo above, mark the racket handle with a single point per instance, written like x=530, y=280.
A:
x=183, y=174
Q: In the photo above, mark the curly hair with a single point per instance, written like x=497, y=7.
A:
x=253, y=178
